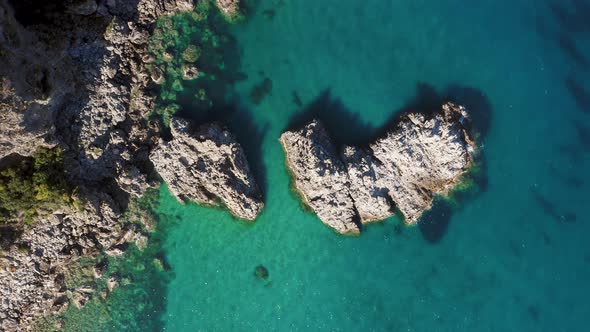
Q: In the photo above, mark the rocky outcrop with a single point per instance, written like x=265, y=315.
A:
x=32, y=271
x=31, y=88
x=320, y=176
x=207, y=165
x=424, y=156
x=73, y=75
x=371, y=198
x=229, y=8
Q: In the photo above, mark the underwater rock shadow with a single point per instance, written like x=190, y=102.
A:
x=248, y=132
x=572, y=29
x=434, y=223
x=347, y=128
x=580, y=94
x=576, y=18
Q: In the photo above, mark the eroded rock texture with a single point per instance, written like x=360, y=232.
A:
x=425, y=155
x=207, y=165
x=72, y=74
x=320, y=176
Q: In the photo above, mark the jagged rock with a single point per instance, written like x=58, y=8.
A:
x=78, y=80
x=425, y=155
x=190, y=72
x=32, y=88
x=320, y=176
x=229, y=8
x=207, y=165
x=112, y=282
x=370, y=198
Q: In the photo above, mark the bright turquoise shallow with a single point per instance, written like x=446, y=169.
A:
x=514, y=257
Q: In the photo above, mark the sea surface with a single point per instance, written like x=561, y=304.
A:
x=512, y=255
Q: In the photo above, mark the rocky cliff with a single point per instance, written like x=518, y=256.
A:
x=208, y=166
x=74, y=75
x=424, y=156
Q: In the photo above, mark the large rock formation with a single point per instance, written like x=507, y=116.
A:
x=207, y=165
x=31, y=88
x=32, y=273
x=320, y=176
x=425, y=155
x=73, y=74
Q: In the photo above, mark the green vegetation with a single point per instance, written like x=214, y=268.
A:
x=34, y=186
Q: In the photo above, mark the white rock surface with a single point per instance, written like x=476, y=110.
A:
x=208, y=166
x=370, y=197
x=320, y=176
x=424, y=156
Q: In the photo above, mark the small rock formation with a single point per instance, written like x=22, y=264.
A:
x=229, y=8
x=261, y=272
x=207, y=165
x=320, y=176
x=424, y=156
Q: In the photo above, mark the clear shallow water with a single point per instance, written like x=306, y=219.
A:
x=513, y=257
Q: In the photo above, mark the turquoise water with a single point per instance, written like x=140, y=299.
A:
x=513, y=256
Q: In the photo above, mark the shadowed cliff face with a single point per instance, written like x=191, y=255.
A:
x=32, y=12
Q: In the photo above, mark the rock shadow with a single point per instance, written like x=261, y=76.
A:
x=580, y=94
x=551, y=208
x=345, y=126
x=570, y=30
x=434, y=223
x=348, y=128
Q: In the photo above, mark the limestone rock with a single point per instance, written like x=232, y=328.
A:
x=424, y=156
x=370, y=198
x=207, y=165
x=320, y=176
x=77, y=79
x=229, y=8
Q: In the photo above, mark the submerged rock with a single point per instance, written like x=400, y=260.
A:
x=261, y=272
x=425, y=155
x=320, y=176
x=207, y=165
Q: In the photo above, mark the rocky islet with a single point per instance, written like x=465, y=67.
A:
x=206, y=165
x=423, y=156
